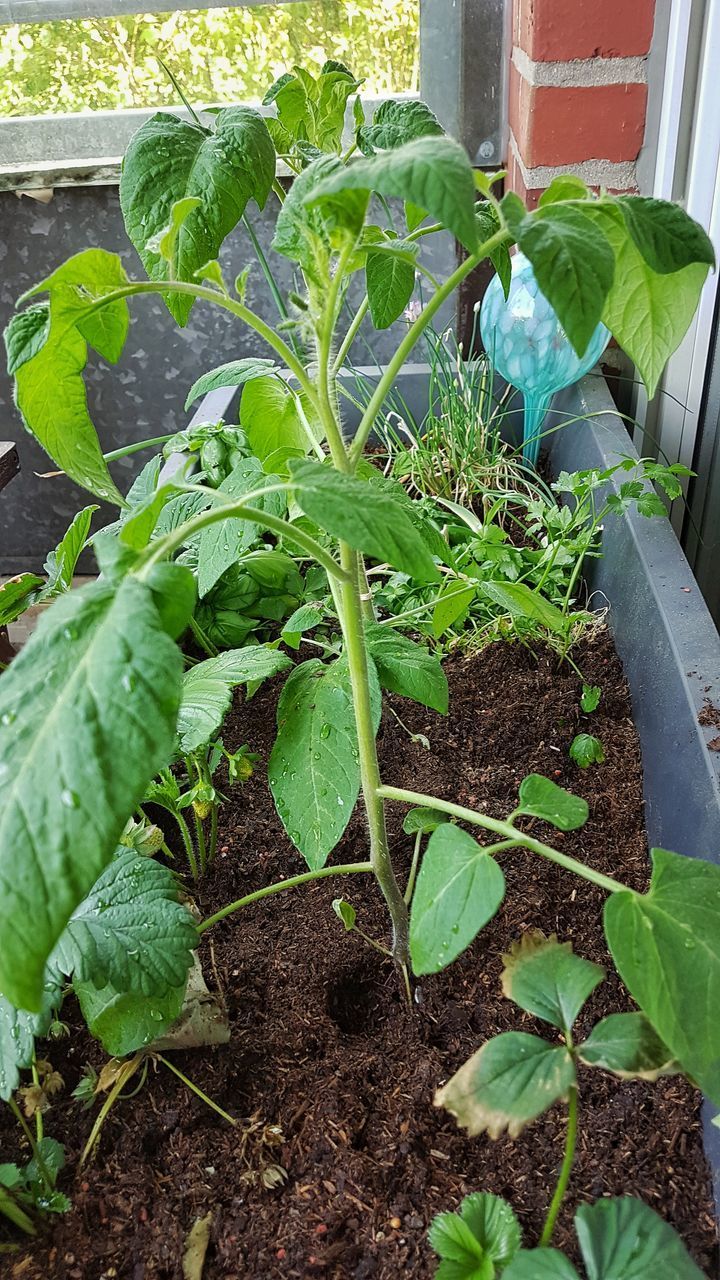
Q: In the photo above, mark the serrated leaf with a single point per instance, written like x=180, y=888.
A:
x=408, y=668
x=207, y=689
x=306, y=234
x=124, y=1021
x=222, y=544
x=624, y=1239
x=666, y=946
x=433, y=173
x=61, y=563
x=233, y=374
x=390, y=281
x=425, y=820
x=488, y=223
x=493, y=1224
x=84, y=278
x=541, y=798
x=462, y=1255
x=459, y=889
x=510, y=1081
x=544, y=977
x=18, y=1030
x=666, y=236
x=565, y=187
x=540, y=1264
x=314, y=770
x=98, y=683
x=395, y=122
x=169, y=159
x=361, y=514
x=627, y=1045
x=130, y=931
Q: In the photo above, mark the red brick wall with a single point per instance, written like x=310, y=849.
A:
x=577, y=91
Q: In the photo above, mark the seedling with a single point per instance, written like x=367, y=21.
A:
x=586, y=750
x=516, y=1077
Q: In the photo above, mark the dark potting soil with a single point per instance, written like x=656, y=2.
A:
x=324, y=1048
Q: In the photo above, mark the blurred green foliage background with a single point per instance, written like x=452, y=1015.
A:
x=219, y=55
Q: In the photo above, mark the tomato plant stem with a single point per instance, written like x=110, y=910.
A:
x=566, y=1170
x=280, y=886
x=509, y=833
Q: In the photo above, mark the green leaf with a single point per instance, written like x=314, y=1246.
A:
x=586, y=750
x=16, y=596
x=541, y=798
x=207, y=689
x=627, y=1045
x=666, y=945
x=395, y=122
x=666, y=236
x=565, y=187
x=359, y=513
x=18, y=1030
x=647, y=313
x=130, y=931
x=345, y=912
x=545, y=978
x=433, y=173
x=463, y=1255
x=390, y=281
x=414, y=215
x=223, y=543
x=510, y=1081
x=493, y=1224
x=452, y=602
x=85, y=278
x=124, y=1021
x=590, y=697
x=573, y=263
x=314, y=770
x=47, y=362
x=540, y=1264
x=520, y=601
x=233, y=374
x=304, y=618
x=623, y=1239
x=169, y=159
x=270, y=417
x=174, y=595
x=488, y=223
x=425, y=820
x=61, y=563
x=407, y=668
x=305, y=234
x=459, y=889
x=87, y=717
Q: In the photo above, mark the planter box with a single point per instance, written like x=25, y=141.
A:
x=663, y=632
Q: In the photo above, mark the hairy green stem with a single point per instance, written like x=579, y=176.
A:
x=413, y=869
x=507, y=831
x=356, y=649
x=415, y=332
x=205, y=294
x=15, y=1214
x=187, y=840
x=240, y=511
x=351, y=335
x=280, y=886
x=565, y=1171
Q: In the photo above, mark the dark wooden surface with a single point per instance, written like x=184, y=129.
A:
x=9, y=462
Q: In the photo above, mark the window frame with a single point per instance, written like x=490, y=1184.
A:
x=463, y=64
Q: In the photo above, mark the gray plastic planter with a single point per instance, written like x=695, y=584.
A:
x=664, y=634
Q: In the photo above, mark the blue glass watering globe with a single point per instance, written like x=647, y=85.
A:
x=526, y=344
